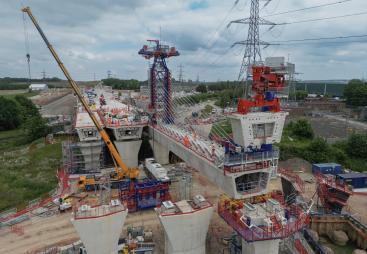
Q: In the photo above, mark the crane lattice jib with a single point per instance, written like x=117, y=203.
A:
x=123, y=170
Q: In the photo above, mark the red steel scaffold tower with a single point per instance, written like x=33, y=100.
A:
x=160, y=80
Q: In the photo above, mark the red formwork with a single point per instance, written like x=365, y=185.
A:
x=333, y=194
x=235, y=218
x=299, y=247
x=292, y=177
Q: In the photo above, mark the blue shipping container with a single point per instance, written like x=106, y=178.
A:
x=327, y=168
x=357, y=180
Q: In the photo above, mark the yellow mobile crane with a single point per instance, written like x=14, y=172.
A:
x=121, y=170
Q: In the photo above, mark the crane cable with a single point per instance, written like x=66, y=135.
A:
x=27, y=48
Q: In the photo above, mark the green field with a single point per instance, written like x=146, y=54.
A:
x=10, y=94
x=27, y=171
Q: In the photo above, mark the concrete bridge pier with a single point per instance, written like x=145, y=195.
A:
x=161, y=153
x=261, y=247
x=129, y=150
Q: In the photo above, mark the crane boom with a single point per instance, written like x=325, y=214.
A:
x=123, y=170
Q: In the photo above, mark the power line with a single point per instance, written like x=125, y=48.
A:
x=307, y=8
x=323, y=38
x=321, y=42
x=326, y=18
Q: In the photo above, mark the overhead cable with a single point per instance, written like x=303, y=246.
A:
x=306, y=8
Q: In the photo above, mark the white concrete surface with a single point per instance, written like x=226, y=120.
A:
x=186, y=233
x=163, y=144
x=129, y=151
x=261, y=247
x=100, y=235
x=257, y=128
x=92, y=154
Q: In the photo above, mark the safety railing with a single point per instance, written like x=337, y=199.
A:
x=97, y=211
x=251, y=233
x=244, y=158
x=198, y=146
x=292, y=177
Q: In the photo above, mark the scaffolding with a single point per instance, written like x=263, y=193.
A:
x=74, y=161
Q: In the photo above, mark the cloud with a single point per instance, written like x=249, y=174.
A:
x=93, y=36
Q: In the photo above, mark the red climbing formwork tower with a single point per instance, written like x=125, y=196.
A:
x=332, y=193
x=160, y=80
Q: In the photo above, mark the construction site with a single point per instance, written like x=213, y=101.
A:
x=154, y=172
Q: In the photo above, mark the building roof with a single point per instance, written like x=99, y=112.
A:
x=331, y=164
x=38, y=85
x=352, y=175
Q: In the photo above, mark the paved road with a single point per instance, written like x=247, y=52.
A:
x=63, y=106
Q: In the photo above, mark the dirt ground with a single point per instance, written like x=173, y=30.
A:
x=332, y=129
x=40, y=233
x=57, y=230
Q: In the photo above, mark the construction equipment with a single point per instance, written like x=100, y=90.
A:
x=266, y=83
x=121, y=169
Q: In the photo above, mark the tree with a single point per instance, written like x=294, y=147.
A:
x=357, y=145
x=302, y=129
x=9, y=114
x=207, y=110
x=27, y=108
x=33, y=124
x=356, y=93
x=201, y=89
x=128, y=84
x=35, y=127
x=318, y=151
x=300, y=95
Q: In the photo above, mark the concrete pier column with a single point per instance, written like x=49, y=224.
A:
x=129, y=150
x=161, y=153
x=185, y=233
x=91, y=153
x=261, y=247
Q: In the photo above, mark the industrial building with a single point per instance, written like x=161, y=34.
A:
x=38, y=87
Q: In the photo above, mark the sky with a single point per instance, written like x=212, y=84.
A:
x=95, y=36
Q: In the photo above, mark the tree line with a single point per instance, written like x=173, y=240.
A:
x=8, y=83
x=351, y=153
x=122, y=84
x=20, y=112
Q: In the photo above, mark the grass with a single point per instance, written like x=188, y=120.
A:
x=222, y=128
x=12, y=95
x=27, y=171
x=10, y=140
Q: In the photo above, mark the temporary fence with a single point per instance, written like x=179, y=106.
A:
x=12, y=216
